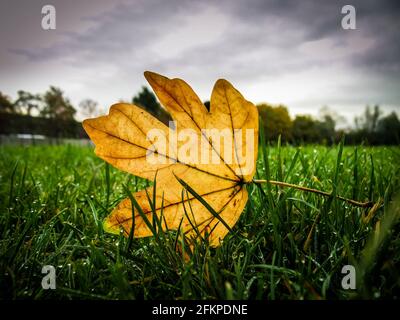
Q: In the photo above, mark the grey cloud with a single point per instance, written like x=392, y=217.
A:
x=138, y=24
x=262, y=41
x=124, y=26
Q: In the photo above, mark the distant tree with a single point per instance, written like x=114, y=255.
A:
x=305, y=129
x=366, y=126
x=326, y=125
x=368, y=122
x=325, y=113
x=6, y=105
x=147, y=100
x=326, y=130
x=27, y=102
x=276, y=121
x=388, y=129
x=89, y=108
x=207, y=104
x=373, y=119
x=56, y=106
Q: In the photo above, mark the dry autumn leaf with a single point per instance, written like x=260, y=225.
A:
x=134, y=141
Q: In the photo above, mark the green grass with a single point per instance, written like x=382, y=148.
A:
x=287, y=244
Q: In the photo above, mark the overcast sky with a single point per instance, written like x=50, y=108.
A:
x=290, y=52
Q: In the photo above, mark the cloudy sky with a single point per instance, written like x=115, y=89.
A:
x=290, y=52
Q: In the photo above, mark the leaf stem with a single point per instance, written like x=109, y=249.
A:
x=367, y=204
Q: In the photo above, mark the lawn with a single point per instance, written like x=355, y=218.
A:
x=288, y=244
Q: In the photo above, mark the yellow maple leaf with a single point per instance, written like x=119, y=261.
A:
x=199, y=189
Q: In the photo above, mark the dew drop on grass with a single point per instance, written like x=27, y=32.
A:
x=234, y=255
x=241, y=255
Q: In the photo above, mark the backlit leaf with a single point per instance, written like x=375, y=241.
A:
x=215, y=175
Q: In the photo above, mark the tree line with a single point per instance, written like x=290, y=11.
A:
x=53, y=115
x=50, y=114
x=371, y=128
